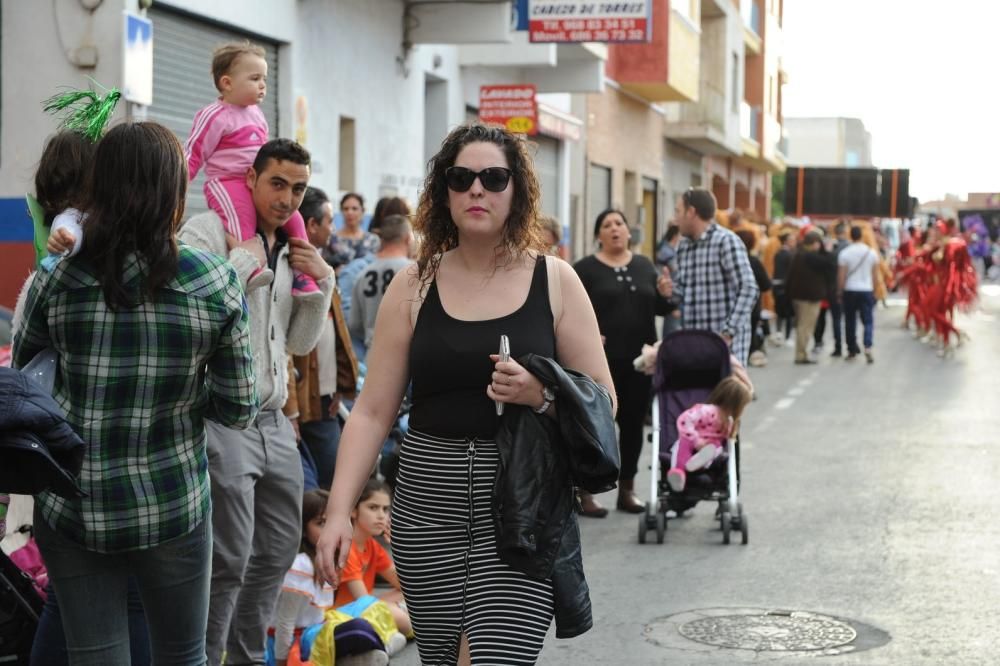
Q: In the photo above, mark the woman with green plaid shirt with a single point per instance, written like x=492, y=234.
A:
x=153, y=339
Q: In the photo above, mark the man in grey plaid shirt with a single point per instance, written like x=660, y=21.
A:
x=714, y=284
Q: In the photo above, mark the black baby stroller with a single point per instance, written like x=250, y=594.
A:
x=688, y=366
x=20, y=608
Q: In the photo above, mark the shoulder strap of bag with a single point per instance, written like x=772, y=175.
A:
x=858, y=265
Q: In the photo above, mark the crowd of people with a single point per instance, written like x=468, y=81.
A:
x=816, y=277
x=831, y=277
x=213, y=365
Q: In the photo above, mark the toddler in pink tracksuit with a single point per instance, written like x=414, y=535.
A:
x=704, y=428
x=225, y=139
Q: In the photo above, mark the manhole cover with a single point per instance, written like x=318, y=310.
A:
x=770, y=632
x=751, y=631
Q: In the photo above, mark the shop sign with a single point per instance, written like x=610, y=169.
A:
x=567, y=21
x=513, y=106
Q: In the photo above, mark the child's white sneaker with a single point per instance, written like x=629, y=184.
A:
x=262, y=277
x=372, y=658
x=702, y=458
x=396, y=644
x=676, y=479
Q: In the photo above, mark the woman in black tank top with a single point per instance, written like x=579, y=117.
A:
x=450, y=357
x=480, y=275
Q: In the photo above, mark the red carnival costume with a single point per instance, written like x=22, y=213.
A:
x=907, y=268
x=941, y=277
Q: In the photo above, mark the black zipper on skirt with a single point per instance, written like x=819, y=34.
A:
x=471, y=454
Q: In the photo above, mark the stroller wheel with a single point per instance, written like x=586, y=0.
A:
x=661, y=526
x=646, y=522
x=744, y=530
x=726, y=526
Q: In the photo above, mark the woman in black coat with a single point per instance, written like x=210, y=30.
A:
x=763, y=281
x=627, y=293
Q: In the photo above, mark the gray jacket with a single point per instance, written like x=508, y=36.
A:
x=279, y=324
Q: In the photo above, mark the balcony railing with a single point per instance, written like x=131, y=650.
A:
x=710, y=109
x=750, y=121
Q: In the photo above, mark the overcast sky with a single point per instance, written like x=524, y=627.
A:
x=923, y=75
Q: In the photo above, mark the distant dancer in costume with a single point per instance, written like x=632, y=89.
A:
x=906, y=269
x=952, y=283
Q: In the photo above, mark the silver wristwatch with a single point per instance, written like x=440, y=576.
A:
x=549, y=397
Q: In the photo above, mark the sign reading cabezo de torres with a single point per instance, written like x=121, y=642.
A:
x=589, y=21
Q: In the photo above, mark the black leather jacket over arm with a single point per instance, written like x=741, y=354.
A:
x=542, y=460
x=38, y=448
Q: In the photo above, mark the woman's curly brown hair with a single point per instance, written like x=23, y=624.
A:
x=433, y=222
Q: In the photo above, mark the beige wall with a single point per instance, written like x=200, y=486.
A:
x=625, y=135
x=737, y=184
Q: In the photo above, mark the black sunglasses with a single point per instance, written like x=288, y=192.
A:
x=460, y=179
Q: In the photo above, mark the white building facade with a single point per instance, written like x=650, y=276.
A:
x=828, y=142
x=370, y=87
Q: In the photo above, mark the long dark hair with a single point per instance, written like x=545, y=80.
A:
x=134, y=204
x=313, y=505
x=373, y=486
x=353, y=195
x=603, y=215
x=433, y=221
x=62, y=173
x=385, y=207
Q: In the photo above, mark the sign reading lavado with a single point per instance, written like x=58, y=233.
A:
x=589, y=21
x=513, y=106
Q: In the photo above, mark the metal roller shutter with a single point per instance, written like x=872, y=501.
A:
x=547, y=169
x=182, y=77
x=598, y=190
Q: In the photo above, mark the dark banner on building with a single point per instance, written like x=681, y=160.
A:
x=844, y=191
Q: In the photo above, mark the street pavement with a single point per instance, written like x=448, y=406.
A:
x=872, y=496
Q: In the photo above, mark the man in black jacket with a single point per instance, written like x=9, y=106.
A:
x=835, y=307
x=808, y=283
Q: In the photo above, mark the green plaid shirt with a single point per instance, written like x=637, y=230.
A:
x=136, y=385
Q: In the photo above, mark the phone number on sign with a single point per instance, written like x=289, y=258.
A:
x=589, y=36
x=589, y=24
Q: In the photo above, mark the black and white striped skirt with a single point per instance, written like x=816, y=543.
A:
x=444, y=548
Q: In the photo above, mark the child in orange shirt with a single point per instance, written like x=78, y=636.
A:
x=367, y=557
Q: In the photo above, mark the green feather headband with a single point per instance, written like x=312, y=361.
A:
x=85, y=111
